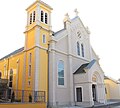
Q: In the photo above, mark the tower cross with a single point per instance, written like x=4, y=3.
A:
x=76, y=12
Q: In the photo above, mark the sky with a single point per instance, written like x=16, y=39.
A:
x=101, y=16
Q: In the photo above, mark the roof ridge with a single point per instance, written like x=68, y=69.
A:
x=13, y=53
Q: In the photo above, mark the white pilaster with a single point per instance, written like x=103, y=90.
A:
x=68, y=24
x=37, y=60
x=38, y=14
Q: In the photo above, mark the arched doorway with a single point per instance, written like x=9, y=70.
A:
x=94, y=91
x=96, y=80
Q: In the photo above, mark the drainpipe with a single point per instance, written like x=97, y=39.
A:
x=48, y=75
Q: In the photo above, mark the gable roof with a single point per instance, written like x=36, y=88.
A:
x=13, y=53
x=82, y=68
x=109, y=78
x=59, y=31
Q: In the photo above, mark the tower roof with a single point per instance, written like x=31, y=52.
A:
x=41, y=2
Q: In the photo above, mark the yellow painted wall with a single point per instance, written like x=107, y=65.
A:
x=27, y=77
x=36, y=105
x=112, y=89
x=31, y=38
x=2, y=64
x=44, y=72
x=11, y=62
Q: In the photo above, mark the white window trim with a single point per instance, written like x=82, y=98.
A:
x=33, y=16
x=76, y=93
x=28, y=83
x=43, y=39
x=65, y=85
x=5, y=71
x=82, y=50
x=79, y=48
x=30, y=64
x=47, y=18
x=43, y=16
x=30, y=18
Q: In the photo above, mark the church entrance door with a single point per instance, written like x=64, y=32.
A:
x=94, y=92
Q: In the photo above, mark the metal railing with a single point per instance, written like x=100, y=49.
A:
x=23, y=96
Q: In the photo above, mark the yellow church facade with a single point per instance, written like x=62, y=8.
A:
x=27, y=67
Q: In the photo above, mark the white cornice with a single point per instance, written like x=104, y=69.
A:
x=64, y=53
x=38, y=26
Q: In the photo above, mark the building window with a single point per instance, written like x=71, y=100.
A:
x=79, y=94
x=29, y=74
x=34, y=16
x=0, y=75
x=30, y=58
x=29, y=83
x=11, y=78
x=5, y=71
x=44, y=39
x=105, y=90
x=31, y=18
x=61, y=73
x=46, y=18
x=82, y=48
x=78, y=48
x=42, y=16
x=30, y=65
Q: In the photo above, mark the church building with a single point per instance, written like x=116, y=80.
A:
x=63, y=63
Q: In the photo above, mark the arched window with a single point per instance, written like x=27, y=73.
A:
x=61, y=73
x=31, y=18
x=82, y=48
x=34, y=16
x=78, y=48
x=42, y=16
x=46, y=18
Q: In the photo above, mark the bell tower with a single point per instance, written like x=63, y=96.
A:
x=37, y=36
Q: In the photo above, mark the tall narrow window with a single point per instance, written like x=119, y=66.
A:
x=34, y=16
x=5, y=71
x=46, y=18
x=44, y=39
x=29, y=71
x=30, y=58
x=79, y=94
x=11, y=78
x=31, y=18
x=61, y=73
x=30, y=65
x=42, y=16
x=82, y=47
x=78, y=48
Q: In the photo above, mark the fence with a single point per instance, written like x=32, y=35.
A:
x=24, y=96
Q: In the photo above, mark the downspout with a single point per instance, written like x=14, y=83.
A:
x=48, y=75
